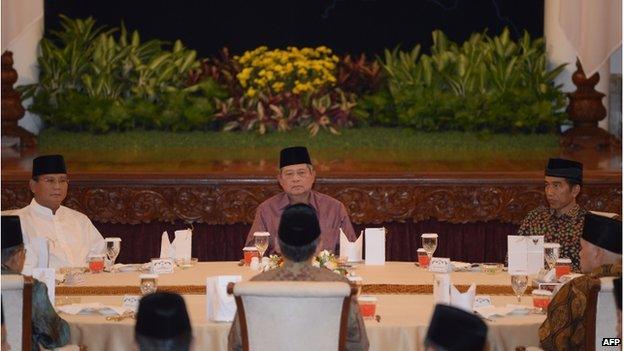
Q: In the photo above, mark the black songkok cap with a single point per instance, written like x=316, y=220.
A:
x=48, y=164
x=294, y=156
x=162, y=315
x=11, y=232
x=558, y=167
x=456, y=330
x=603, y=232
x=299, y=225
x=617, y=291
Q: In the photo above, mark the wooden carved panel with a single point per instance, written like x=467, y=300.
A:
x=367, y=202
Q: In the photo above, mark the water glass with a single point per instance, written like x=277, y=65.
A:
x=261, y=241
x=148, y=283
x=429, y=243
x=113, y=246
x=519, y=285
x=551, y=254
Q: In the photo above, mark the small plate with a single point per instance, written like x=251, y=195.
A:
x=129, y=268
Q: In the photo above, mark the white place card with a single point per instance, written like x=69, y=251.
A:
x=48, y=277
x=130, y=302
x=442, y=288
x=162, y=266
x=375, y=246
x=525, y=254
x=482, y=301
x=440, y=265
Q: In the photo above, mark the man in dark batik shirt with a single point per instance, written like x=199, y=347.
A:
x=601, y=256
x=298, y=238
x=562, y=221
x=48, y=329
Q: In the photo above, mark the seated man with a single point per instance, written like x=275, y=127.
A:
x=162, y=323
x=562, y=221
x=296, y=177
x=298, y=238
x=71, y=235
x=452, y=329
x=48, y=329
x=601, y=256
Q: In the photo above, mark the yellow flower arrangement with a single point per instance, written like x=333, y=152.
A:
x=293, y=70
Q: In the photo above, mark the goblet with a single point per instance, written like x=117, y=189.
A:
x=429, y=243
x=519, y=285
x=261, y=241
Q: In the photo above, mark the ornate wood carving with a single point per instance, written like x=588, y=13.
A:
x=12, y=109
x=367, y=201
x=586, y=110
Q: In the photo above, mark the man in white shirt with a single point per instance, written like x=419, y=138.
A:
x=70, y=234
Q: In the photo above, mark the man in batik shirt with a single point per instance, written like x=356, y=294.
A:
x=601, y=256
x=48, y=329
x=296, y=177
x=562, y=221
x=298, y=237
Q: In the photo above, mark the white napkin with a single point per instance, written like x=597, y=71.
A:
x=464, y=301
x=165, y=245
x=375, y=246
x=220, y=307
x=351, y=250
x=40, y=246
x=525, y=253
x=493, y=311
x=442, y=288
x=48, y=277
x=92, y=308
x=182, y=244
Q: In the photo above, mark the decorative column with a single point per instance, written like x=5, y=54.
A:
x=12, y=109
x=585, y=110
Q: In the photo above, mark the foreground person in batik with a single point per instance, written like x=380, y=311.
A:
x=601, y=256
x=298, y=239
x=48, y=329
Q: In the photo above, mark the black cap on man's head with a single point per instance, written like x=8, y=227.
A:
x=162, y=315
x=294, y=156
x=48, y=164
x=11, y=232
x=568, y=169
x=603, y=232
x=299, y=225
x=454, y=329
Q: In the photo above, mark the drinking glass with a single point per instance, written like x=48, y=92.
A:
x=551, y=254
x=429, y=243
x=519, y=285
x=148, y=283
x=113, y=246
x=261, y=241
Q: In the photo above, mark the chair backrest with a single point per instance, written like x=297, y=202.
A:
x=285, y=315
x=17, y=307
x=600, y=316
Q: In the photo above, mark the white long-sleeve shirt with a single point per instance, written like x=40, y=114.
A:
x=71, y=235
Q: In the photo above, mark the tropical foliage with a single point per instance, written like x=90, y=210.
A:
x=99, y=80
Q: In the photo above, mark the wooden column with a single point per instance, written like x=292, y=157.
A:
x=586, y=110
x=12, y=109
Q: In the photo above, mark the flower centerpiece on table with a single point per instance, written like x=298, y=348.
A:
x=323, y=259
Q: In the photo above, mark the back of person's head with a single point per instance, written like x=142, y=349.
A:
x=298, y=232
x=12, y=240
x=453, y=329
x=605, y=234
x=162, y=323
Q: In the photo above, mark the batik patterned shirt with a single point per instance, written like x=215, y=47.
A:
x=303, y=271
x=565, y=229
x=48, y=329
x=564, y=329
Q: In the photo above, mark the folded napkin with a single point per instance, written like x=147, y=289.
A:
x=493, y=311
x=464, y=301
x=351, y=250
x=220, y=307
x=180, y=247
x=442, y=288
x=165, y=245
x=93, y=308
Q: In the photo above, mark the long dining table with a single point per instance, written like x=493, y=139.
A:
x=404, y=292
